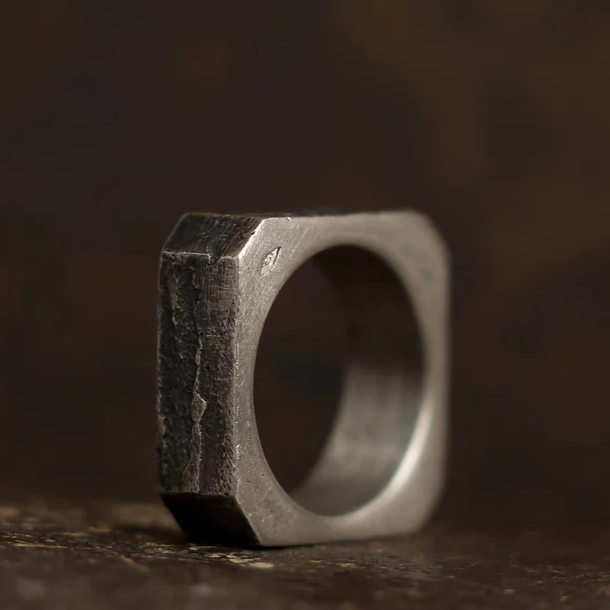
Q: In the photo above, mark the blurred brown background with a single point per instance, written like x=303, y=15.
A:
x=492, y=117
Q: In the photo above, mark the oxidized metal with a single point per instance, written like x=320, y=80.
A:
x=381, y=470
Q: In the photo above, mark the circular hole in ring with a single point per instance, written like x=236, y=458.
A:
x=338, y=380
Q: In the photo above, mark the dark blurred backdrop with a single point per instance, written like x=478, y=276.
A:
x=492, y=117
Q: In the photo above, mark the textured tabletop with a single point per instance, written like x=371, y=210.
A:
x=131, y=556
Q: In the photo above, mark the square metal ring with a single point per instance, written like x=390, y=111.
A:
x=381, y=471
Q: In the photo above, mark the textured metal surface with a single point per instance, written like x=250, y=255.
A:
x=381, y=470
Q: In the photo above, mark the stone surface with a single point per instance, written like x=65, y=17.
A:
x=125, y=556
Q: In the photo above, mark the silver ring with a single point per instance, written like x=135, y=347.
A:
x=381, y=470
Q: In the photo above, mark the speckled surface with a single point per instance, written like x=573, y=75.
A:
x=132, y=556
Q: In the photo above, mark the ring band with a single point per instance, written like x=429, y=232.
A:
x=381, y=469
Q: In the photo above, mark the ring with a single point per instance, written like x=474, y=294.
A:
x=381, y=469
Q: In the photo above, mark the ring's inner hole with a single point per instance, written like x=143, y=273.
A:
x=338, y=380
